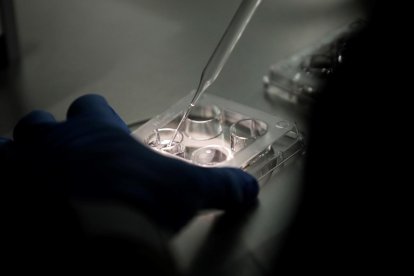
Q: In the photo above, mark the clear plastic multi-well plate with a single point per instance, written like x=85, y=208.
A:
x=220, y=133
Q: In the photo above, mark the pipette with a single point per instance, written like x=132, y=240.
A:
x=221, y=53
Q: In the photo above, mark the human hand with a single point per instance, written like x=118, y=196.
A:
x=92, y=156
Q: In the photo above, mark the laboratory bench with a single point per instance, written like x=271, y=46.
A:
x=145, y=55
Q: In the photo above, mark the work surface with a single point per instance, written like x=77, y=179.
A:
x=145, y=55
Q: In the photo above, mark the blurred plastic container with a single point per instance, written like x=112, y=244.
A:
x=301, y=77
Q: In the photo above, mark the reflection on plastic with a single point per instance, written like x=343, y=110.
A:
x=204, y=122
x=210, y=155
x=245, y=132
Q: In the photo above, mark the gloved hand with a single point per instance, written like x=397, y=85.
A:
x=92, y=156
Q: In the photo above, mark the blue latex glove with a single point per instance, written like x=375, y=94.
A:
x=92, y=156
